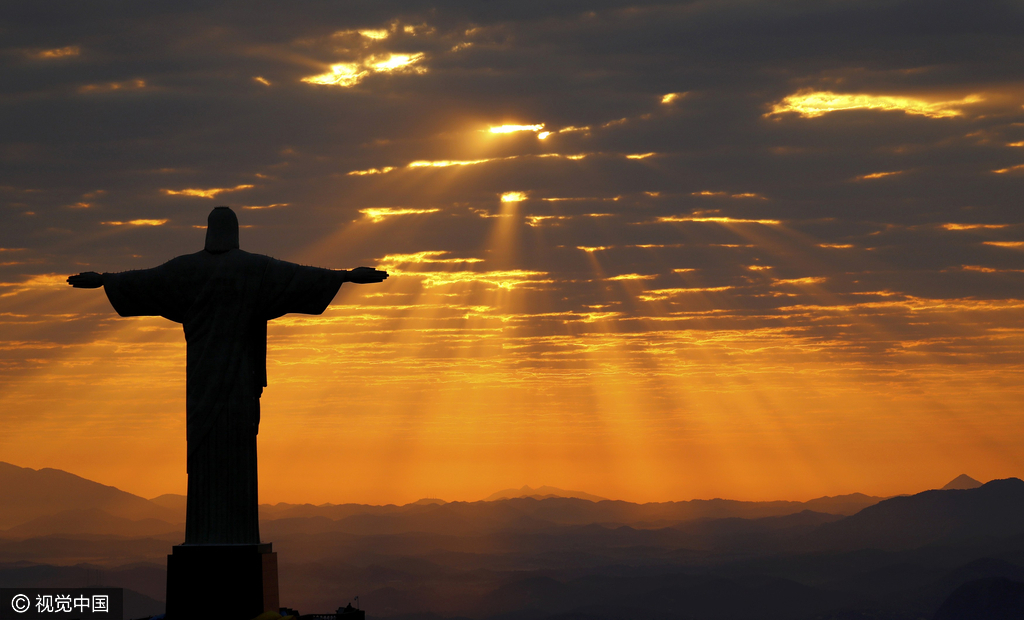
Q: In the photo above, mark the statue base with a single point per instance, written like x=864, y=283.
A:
x=228, y=582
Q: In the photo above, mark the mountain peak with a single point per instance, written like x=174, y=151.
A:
x=963, y=481
x=541, y=492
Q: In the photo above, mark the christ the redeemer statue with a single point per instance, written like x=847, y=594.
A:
x=223, y=297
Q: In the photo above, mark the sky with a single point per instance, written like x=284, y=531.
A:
x=651, y=251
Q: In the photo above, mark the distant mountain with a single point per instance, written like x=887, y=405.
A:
x=89, y=521
x=963, y=481
x=174, y=503
x=54, y=502
x=26, y=494
x=543, y=492
x=992, y=599
x=992, y=510
x=842, y=504
x=427, y=501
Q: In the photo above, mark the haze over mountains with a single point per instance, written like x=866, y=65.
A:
x=540, y=552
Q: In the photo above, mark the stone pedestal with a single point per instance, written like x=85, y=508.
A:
x=227, y=582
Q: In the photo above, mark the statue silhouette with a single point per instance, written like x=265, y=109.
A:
x=223, y=297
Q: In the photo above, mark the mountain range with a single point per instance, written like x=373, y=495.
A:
x=539, y=553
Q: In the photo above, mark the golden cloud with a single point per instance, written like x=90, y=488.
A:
x=381, y=213
x=972, y=226
x=720, y=220
x=383, y=170
x=811, y=104
x=513, y=196
x=205, y=193
x=1017, y=168
x=138, y=223
x=878, y=175
x=727, y=194
x=507, y=279
x=515, y=128
x=348, y=74
x=428, y=256
x=666, y=293
x=57, y=52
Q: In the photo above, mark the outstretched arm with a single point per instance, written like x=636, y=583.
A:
x=366, y=275
x=89, y=279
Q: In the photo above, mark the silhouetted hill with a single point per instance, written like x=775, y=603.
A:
x=842, y=504
x=963, y=481
x=543, y=492
x=531, y=514
x=26, y=494
x=89, y=521
x=144, y=584
x=173, y=502
x=991, y=511
x=988, y=599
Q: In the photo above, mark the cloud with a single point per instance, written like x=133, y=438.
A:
x=348, y=74
x=811, y=104
x=382, y=213
x=57, y=53
x=137, y=223
x=212, y=192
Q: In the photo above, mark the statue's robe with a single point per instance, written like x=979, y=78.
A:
x=224, y=301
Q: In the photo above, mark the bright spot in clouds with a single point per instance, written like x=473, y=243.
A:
x=640, y=155
x=379, y=214
x=972, y=226
x=669, y=98
x=728, y=195
x=348, y=74
x=444, y=163
x=137, y=223
x=513, y=197
x=515, y=128
x=374, y=34
x=810, y=104
x=344, y=74
x=719, y=220
x=397, y=61
x=205, y=193
x=383, y=170
x=261, y=80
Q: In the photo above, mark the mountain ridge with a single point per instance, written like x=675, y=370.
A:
x=541, y=492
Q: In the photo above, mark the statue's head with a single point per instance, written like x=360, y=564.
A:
x=221, y=231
